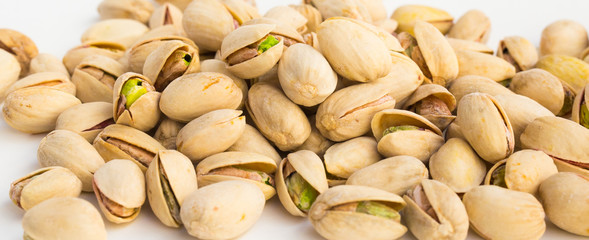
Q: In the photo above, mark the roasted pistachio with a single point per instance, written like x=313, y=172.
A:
x=76, y=55
x=474, y=25
x=289, y=16
x=166, y=14
x=338, y=8
x=434, y=102
x=544, y=88
x=169, y=61
x=45, y=62
x=407, y=15
x=343, y=159
x=570, y=70
x=20, y=46
x=251, y=140
x=10, y=69
x=518, y=51
x=461, y=44
x=580, y=112
x=95, y=78
x=565, y=37
x=122, y=31
x=167, y=131
x=139, y=10
x=316, y=142
x=312, y=15
x=54, y=80
x=457, y=165
x=484, y=65
x=472, y=83
x=138, y=53
x=87, y=119
x=135, y=102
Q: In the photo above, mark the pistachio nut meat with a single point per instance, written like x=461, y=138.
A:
x=86, y=119
x=135, y=102
x=139, y=10
x=212, y=212
x=167, y=131
x=76, y=218
x=434, y=102
x=473, y=83
x=251, y=140
x=122, y=31
x=65, y=148
x=211, y=133
x=300, y=178
x=434, y=211
x=485, y=65
x=20, y=46
x=166, y=14
x=407, y=15
x=457, y=166
x=170, y=179
x=518, y=51
x=169, y=61
x=474, y=25
x=250, y=167
x=342, y=159
x=95, y=78
x=571, y=70
x=43, y=184
x=565, y=37
x=122, y=142
x=564, y=196
x=580, y=112
x=10, y=71
x=485, y=126
x=74, y=56
x=544, y=88
x=54, y=80
x=499, y=213
x=354, y=212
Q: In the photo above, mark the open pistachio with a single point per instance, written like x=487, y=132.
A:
x=20, y=46
x=95, y=78
x=571, y=70
x=434, y=102
x=44, y=184
x=9, y=71
x=485, y=65
x=473, y=83
x=251, y=140
x=119, y=186
x=544, y=88
x=45, y=62
x=135, y=102
x=518, y=51
x=565, y=37
x=343, y=159
x=580, y=112
x=87, y=119
x=169, y=61
x=122, y=31
x=138, y=53
x=474, y=25
x=76, y=55
x=166, y=14
x=407, y=15
x=54, y=80
x=457, y=165
x=76, y=218
x=167, y=131
x=181, y=4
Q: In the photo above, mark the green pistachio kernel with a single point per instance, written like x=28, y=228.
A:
x=506, y=82
x=567, y=106
x=171, y=200
x=378, y=209
x=399, y=128
x=302, y=193
x=269, y=42
x=584, y=119
x=133, y=89
x=498, y=177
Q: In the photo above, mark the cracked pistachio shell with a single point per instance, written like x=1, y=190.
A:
x=474, y=25
x=43, y=184
x=53, y=80
x=441, y=60
x=461, y=44
x=485, y=126
x=280, y=120
x=211, y=133
x=207, y=22
x=581, y=102
x=170, y=179
x=9, y=71
x=144, y=113
x=122, y=142
x=35, y=110
x=564, y=196
x=396, y=174
x=45, y=62
x=167, y=131
x=76, y=55
x=452, y=220
x=407, y=15
x=288, y=16
x=347, y=113
x=334, y=224
x=86, y=119
x=562, y=140
x=119, y=183
x=499, y=213
x=353, y=9
x=138, y=53
x=571, y=70
x=70, y=150
x=316, y=142
x=542, y=87
x=404, y=79
x=518, y=51
x=343, y=159
x=139, y=10
x=439, y=92
x=193, y=95
x=308, y=82
x=564, y=37
x=91, y=89
x=465, y=85
x=218, y=66
x=211, y=212
x=166, y=14
x=76, y=218
x=312, y=15
x=364, y=58
x=457, y=165
x=250, y=161
x=310, y=167
x=251, y=140
x=167, y=53
x=524, y=170
x=20, y=46
x=121, y=31
x=485, y=65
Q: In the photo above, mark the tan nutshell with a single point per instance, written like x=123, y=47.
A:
x=518, y=51
x=76, y=55
x=570, y=70
x=54, y=80
x=143, y=113
x=86, y=119
x=169, y=61
x=485, y=65
x=251, y=140
x=473, y=83
x=544, y=88
x=343, y=159
x=95, y=77
x=10, y=71
x=122, y=31
x=45, y=62
x=457, y=165
x=20, y=46
x=139, y=10
x=565, y=37
x=166, y=14
x=474, y=25
x=407, y=15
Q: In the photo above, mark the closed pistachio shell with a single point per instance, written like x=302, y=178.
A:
x=565, y=37
x=87, y=119
x=493, y=211
x=121, y=31
x=139, y=10
x=542, y=87
x=474, y=25
x=54, y=80
x=289, y=16
x=338, y=8
x=465, y=85
x=251, y=140
x=316, y=142
x=10, y=69
x=485, y=65
x=76, y=55
x=135, y=109
x=76, y=218
x=518, y=51
x=312, y=15
x=169, y=61
x=442, y=62
x=457, y=165
x=211, y=133
x=580, y=112
x=45, y=62
x=138, y=53
x=396, y=174
x=95, y=77
x=345, y=158
x=207, y=22
x=571, y=70
x=215, y=65
x=461, y=44
x=407, y=15
x=20, y=46
x=166, y=14
x=65, y=148
x=167, y=131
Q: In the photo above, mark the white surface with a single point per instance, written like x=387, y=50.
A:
x=57, y=25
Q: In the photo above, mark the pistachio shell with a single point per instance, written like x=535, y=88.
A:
x=416, y=143
x=345, y=158
x=167, y=131
x=65, y=148
x=144, y=113
x=376, y=8
x=457, y=165
x=74, y=56
x=342, y=8
x=166, y=14
x=407, y=15
x=312, y=15
x=474, y=25
x=404, y=79
x=472, y=83
x=86, y=119
x=565, y=37
x=181, y=4
x=518, y=51
x=289, y=16
x=485, y=65
x=388, y=25
x=251, y=140
x=424, y=91
x=45, y=62
x=96, y=87
x=396, y=174
x=207, y=22
x=453, y=131
x=10, y=69
x=241, y=11
x=461, y=44
x=571, y=70
x=394, y=117
x=139, y=52
x=76, y=218
x=442, y=62
x=215, y=65
x=121, y=31
x=20, y=46
x=581, y=101
x=139, y=10
x=54, y=80
x=541, y=86
x=316, y=142
x=155, y=64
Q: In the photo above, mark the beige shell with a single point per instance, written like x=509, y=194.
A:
x=121, y=183
x=542, y=87
x=251, y=161
x=376, y=8
x=439, y=92
x=74, y=56
x=451, y=219
x=54, y=80
x=407, y=15
x=64, y=148
x=363, y=58
x=474, y=25
x=485, y=65
x=345, y=158
x=288, y=16
x=166, y=14
x=10, y=70
x=310, y=167
x=207, y=22
x=388, y=25
x=214, y=91
x=215, y=65
x=524, y=170
x=43, y=184
x=332, y=224
x=316, y=142
x=342, y=8
x=280, y=120
x=251, y=140
x=494, y=211
x=86, y=119
x=518, y=51
x=570, y=70
x=121, y=31
x=563, y=37
x=175, y=170
x=312, y=15
x=144, y=113
x=155, y=63
x=457, y=165
x=76, y=218
x=139, y=10
x=396, y=174
x=138, y=53
x=45, y=62
x=472, y=83
x=20, y=46
x=211, y=133
x=404, y=79
x=485, y=126
x=122, y=142
x=211, y=212
x=461, y=44
x=35, y=110
x=167, y=131
x=395, y=117
x=441, y=60
x=564, y=196
x=88, y=87
x=581, y=98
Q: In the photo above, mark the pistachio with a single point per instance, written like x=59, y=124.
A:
x=54, y=80
x=407, y=15
x=138, y=53
x=87, y=119
x=122, y=31
x=433, y=102
x=404, y=79
x=76, y=55
x=343, y=159
x=135, y=102
x=45, y=62
x=289, y=16
x=166, y=14
x=461, y=44
x=20, y=46
x=251, y=140
x=44, y=184
x=10, y=70
x=139, y=10
x=167, y=131
x=485, y=65
x=571, y=70
x=457, y=165
x=474, y=25
x=312, y=15
x=580, y=112
x=565, y=37
x=95, y=78
x=472, y=83
x=169, y=61
x=518, y=51
x=544, y=88
x=337, y=8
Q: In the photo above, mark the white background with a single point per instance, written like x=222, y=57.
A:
x=56, y=26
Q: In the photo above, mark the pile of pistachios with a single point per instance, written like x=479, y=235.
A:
x=366, y=125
